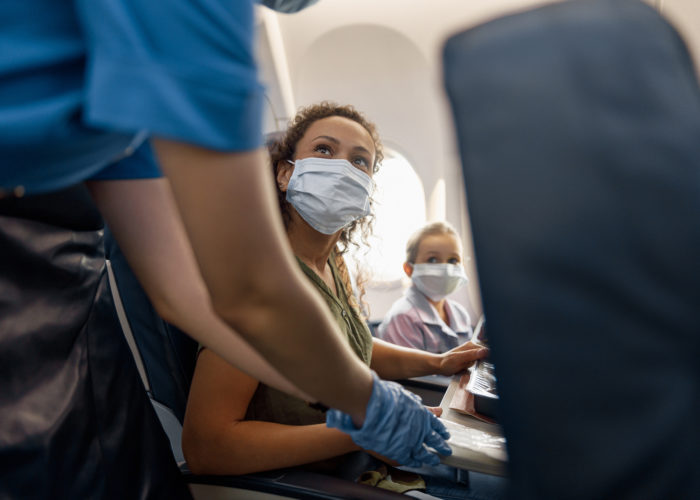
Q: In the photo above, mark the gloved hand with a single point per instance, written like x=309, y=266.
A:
x=396, y=426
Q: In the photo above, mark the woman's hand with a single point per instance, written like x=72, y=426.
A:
x=460, y=358
x=436, y=410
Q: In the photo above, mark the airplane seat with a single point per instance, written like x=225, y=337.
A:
x=373, y=325
x=165, y=358
x=164, y=355
x=578, y=126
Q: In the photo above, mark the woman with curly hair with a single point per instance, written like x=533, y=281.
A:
x=323, y=168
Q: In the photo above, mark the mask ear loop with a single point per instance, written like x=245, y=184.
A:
x=279, y=184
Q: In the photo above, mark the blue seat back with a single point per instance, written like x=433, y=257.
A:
x=579, y=131
x=168, y=355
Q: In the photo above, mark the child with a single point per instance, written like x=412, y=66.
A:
x=424, y=318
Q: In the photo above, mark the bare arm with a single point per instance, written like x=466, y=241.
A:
x=393, y=362
x=230, y=213
x=217, y=440
x=144, y=220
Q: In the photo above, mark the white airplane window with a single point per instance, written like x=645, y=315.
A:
x=399, y=211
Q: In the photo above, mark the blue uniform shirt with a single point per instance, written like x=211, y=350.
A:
x=80, y=79
x=139, y=164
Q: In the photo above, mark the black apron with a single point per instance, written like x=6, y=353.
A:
x=75, y=421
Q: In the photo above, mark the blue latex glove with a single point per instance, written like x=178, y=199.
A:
x=396, y=425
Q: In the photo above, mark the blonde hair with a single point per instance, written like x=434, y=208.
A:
x=430, y=229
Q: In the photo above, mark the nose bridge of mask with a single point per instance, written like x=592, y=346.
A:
x=438, y=280
x=332, y=167
x=447, y=269
x=329, y=185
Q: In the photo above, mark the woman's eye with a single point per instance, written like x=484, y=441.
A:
x=453, y=261
x=432, y=260
x=361, y=163
x=323, y=149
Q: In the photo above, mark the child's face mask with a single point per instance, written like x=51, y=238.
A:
x=328, y=194
x=437, y=281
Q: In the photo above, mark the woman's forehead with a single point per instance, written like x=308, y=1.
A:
x=342, y=129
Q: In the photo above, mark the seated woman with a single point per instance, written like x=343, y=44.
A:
x=424, y=318
x=234, y=424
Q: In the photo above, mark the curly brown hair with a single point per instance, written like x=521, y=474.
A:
x=283, y=147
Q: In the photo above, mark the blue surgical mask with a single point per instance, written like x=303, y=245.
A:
x=437, y=281
x=328, y=194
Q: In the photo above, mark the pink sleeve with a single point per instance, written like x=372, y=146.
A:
x=403, y=330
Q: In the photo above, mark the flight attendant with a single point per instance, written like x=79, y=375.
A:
x=82, y=85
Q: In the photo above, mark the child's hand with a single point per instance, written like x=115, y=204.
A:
x=460, y=358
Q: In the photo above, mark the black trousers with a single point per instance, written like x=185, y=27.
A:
x=75, y=421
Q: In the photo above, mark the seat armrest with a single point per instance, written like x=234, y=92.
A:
x=430, y=388
x=294, y=483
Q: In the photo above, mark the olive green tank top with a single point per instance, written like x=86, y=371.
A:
x=269, y=404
